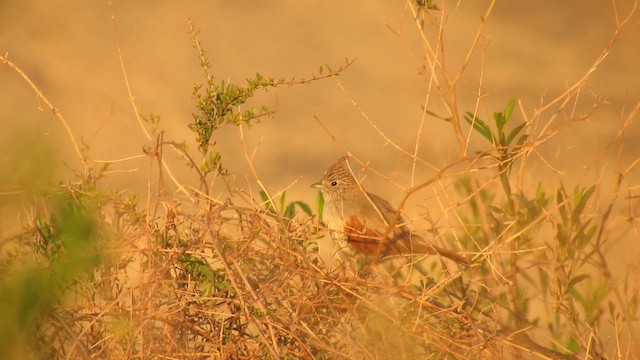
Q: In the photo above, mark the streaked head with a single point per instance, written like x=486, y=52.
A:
x=338, y=180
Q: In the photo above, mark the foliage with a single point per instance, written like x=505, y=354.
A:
x=216, y=105
x=100, y=274
x=58, y=253
x=287, y=211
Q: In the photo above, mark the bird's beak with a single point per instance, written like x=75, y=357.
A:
x=317, y=185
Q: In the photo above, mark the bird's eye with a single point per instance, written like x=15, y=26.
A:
x=334, y=183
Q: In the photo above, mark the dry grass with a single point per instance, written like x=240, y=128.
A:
x=187, y=273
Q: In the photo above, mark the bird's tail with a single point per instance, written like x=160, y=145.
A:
x=415, y=245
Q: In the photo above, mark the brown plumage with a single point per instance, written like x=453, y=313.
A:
x=362, y=218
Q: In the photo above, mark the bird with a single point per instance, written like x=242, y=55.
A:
x=364, y=219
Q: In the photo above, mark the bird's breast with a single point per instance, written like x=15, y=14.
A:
x=348, y=224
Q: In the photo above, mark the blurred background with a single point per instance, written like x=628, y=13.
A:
x=532, y=51
x=85, y=57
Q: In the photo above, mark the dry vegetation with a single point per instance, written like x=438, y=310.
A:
x=189, y=272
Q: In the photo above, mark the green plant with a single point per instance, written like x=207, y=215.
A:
x=52, y=259
x=212, y=268
x=286, y=211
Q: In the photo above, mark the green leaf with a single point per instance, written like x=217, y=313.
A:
x=289, y=212
x=320, y=205
x=541, y=196
x=522, y=140
x=429, y=112
x=560, y=199
x=577, y=296
x=480, y=126
x=500, y=121
x=530, y=205
x=572, y=345
x=264, y=197
x=304, y=207
x=586, y=257
x=508, y=110
x=577, y=279
x=282, y=197
x=580, y=198
x=585, y=236
x=561, y=235
x=268, y=203
x=514, y=133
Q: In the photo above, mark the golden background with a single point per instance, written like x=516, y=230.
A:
x=532, y=51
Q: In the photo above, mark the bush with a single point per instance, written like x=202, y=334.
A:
x=187, y=274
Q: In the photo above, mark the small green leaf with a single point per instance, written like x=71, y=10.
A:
x=580, y=198
x=585, y=235
x=515, y=132
x=577, y=279
x=561, y=235
x=503, y=142
x=268, y=203
x=572, y=345
x=429, y=112
x=282, y=197
x=289, y=212
x=541, y=196
x=561, y=197
x=480, y=126
x=304, y=207
x=508, y=110
x=320, y=205
x=522, y=140
x=500, y=121
x=530, y=205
